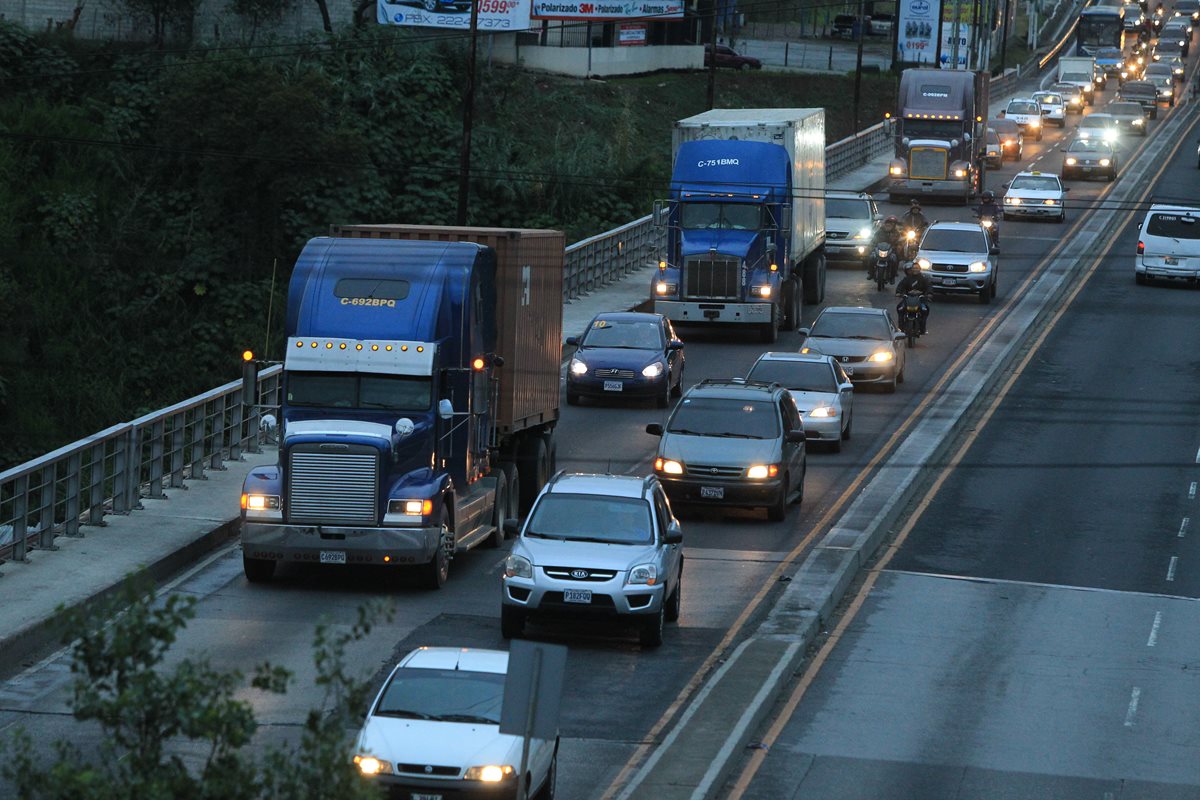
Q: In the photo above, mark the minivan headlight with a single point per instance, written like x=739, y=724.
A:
x=370, y=765
x=759, y=471
x=642, y=575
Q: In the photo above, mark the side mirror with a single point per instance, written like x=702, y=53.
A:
x=795, y=436
x=511, y=527
x=674, y=533
x=846, y=387
x=654, y=429
x=662, y=213
x=771, y=248
x=573, y=341
x=445, y=409
x=803, y=331
x=898, y=335
x=1005, y=186
x=674, y=344
x=404, y=427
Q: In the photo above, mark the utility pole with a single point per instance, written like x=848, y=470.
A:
x=464, y=153
x=862, y=34
x=712, y=60
x=1004, y=40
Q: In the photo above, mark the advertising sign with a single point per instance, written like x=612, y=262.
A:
x=915, y=39
x=494, y=15
x=607, y=9
x=631, y=33
x=956, y=43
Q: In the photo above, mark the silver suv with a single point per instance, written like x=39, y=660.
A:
x=603, y=546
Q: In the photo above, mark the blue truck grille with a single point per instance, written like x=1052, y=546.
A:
x=711, y=279
x=332, y=488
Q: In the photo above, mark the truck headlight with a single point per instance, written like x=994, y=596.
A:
x=410, y=508
x=823, y=412
x=960, y=173
x=517, y=567
x=642, y=575
x=370, y=765
x=668, y=466
x=977, y=266
x=491, y=773
x=260, y=502
x=760, y=291
x=760, y=471
x=896, y=170
x=653, y=370
x=664, y=288
x=578, y=367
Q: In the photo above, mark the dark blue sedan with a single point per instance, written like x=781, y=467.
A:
x=626, y=354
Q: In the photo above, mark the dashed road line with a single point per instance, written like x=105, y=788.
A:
x=1171, y=568
x=1192, y=491
x=1134, y=697
x=1153, y=640
x=1183, y=526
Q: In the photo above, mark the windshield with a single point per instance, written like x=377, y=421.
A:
x=1125, y=109
x=1174, y=226
x=634, y=335
x=1098, y=30
x=954, y=241
x=1050, y=99
x=356, y=390
x=1023, y=108
x=592, y=518
x=847, y=209
x=443, y=695
x=932, y=129
x=1096, y=121
x=1037, y=183
x=1076, y=77
x=728, y=216
x=850, y=326
x=1089, y=146
x=713, y=416
x=799, y=376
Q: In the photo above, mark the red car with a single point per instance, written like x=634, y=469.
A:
x=728, y=57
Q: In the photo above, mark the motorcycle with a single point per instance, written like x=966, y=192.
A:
x=885, y=265
x=991, y=224
x=910, y=316
x=911, y=235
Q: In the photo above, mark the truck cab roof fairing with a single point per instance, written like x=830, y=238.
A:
x=935, y=91
x=753, y=169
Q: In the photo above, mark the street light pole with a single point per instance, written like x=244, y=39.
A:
x=1004, y=40
x=858, y=67
x=464, y=153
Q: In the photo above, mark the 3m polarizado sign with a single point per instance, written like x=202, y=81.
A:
x=595, y=10
x=916, y=37
x=494, y=15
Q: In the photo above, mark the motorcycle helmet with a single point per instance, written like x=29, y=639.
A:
x=915, y=203
x=891, y=220
x=988, y=197
x=909, y=267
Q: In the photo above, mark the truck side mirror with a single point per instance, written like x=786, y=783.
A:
x=445, y=409
x=404, y=427
x=771, y=248
x=785, y=214
x=662, y=213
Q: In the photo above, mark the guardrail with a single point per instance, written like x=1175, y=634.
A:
x=111, y=471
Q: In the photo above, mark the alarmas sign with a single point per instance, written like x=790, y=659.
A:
x=608, y=9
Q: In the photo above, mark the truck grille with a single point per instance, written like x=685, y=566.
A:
x=927, y=163
x=332, y=488
x=711, y=279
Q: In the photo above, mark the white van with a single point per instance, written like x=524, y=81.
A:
x=1169, y=244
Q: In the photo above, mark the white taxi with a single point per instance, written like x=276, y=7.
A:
x=1027, y=113
x=1054, y=107
x=1035, y=194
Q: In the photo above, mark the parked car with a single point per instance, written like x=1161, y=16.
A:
x=881, y=24
x=728, y=57
x=844, y=26
x=1144, y=93
x=1035, y=194
x=626, y=354
x=1087, y=157
x=823, y=392
x=733, y=443
x=595, y=547
x=851, y=220
x=1169, y=244
x=434, y=731
x=960, y=258
x=864, y=341
x=1009, y=134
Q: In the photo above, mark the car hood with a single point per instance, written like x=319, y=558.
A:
x=807, y=401
x=591, y=555
x=951, y=256
x=1019, y=118
x=717, y=451
x=617, y=357
x=418, y=741
x=846, y=347
x=846, y=225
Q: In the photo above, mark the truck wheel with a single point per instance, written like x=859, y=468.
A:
x=435, y=573
x=770, y=331
x=499, y=509
x=258, y=570
x=533, y=465
x=791, y=303
x=512, y=622
x=513, y=478
x=814, y=278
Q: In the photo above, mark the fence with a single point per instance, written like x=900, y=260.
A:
x=111, y=471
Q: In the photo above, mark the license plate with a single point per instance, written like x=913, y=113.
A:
x=713, y=492
x=614, y=386
x=1171, y=262
x=577, y=595
x=333, y=556
x=425, y=796
x=949, y=281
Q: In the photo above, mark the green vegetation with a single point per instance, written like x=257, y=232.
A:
x=146, y=197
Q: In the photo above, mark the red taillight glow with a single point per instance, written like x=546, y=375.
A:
x=1141, y=248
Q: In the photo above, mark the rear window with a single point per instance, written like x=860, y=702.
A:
x=1174, y=226
x=1077, y=77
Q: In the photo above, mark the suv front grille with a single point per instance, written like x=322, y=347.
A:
x=927, y=163
x=591, y=576
x=836, y=235
x=949, y=268
x=714, y=471
x=711, y=279
x=332, y=488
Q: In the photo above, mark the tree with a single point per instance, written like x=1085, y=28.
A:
x=258, y=12
x=325, y=20
x=163, y=14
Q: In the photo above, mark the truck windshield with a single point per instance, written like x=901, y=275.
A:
x=593, y=518
x=353, y=390
x=1099, y=30
x=799, y=376
x=711, y=416
x=727, y=216
x=932, y=129
x=1075, y=77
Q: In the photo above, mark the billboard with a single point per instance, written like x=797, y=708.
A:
x=494, y=15
x=956, y=43
x=595, y=10
x=917, y=23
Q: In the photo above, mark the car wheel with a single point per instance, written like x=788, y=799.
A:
x=995, y=288
x=512, y=622
x=777, y=511
x=675, y=601
x=258, y=570
x=744, y=67
x=650, y=632
x=800, y=491
x=547, y=790
x=435, y=573
x=985, y=294
x=1138, y=277
x=664, y=398
x=1112, y=176
x=900, y=376
x=890, y=386
x=1061, y=218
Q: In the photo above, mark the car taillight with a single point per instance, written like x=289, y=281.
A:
x=1141, y=248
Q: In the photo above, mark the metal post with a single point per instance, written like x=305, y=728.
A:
x=1004, y=39
x=712, y=60
x=530, y=716
x=938, y=36
x=21, y=517
x=464, y=153
x=862, y=34
x=785, y=53
x=46, y=499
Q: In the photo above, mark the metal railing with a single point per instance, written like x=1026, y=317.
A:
x=111, y=471
x=847, y=155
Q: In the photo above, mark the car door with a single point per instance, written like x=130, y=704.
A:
x=895, y=335
x=793, y=452
x=672, y=553
x=845, y=390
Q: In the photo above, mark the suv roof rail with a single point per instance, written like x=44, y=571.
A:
x=554, y=478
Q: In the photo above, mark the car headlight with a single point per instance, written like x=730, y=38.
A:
x=1007, y=143
x=823, y=412
x=578, y=367
x=517, y=567
x=1049, y=201
x=653, y=370
x=865, y=233
x=1072, y=161
x=370, y=765
x=882, y=356
x=491, y=773
x=663, y=287
x=924, y=263
x=1104, y=162
x=1109, y=136
x=1033, y=123
x=760, y=471
x=760, y=291
x=260, y=502
x=1139, y=122
x=977, y=266
x=1178, y=70
x=642, y=575
x=1167, y=92
x=668, y=466
x=1012, y=201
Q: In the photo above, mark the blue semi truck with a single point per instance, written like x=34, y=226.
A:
x=745, y=220
x=420, y=396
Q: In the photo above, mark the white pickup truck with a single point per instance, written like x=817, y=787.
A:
x=1027, y=113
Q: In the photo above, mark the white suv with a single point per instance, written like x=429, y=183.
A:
x=1027, y=113
x=595, y=546
x=1169, y=244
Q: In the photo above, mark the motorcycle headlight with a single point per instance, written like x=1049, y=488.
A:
x=642, y=575
x=823, y=412
x=370, y=765
x=491, y=773
x=653, y=370
x=881, y=253
x=882, y=356
x=517, y=567
x=578, y=367
x=924, y=263
x=910, y=235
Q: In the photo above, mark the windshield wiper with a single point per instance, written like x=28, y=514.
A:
x=595, y=539
x=685, y=432
x=537, y=535
x=728, y=435
x=468, y=718
x=403, y=713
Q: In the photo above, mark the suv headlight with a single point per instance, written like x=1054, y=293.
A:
x=653, y=370
x=924, y=263
x=865, y=233
x=578, y=367
x=370, y=765
x=517, y=567
x=642, y=575
x=491, y=773
x=759, y=471
x=1072, y=161
x=977, y=266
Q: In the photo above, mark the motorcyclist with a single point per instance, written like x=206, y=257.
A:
x=914, y=281
x=888, y=232
x=988, y=207
x=913, y=219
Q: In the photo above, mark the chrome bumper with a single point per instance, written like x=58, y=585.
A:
x=306, y=543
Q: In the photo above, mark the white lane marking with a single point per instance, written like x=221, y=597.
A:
x=1171, y=568
x=1198, y=456
x=1192, y=491
x=1183, y=526
x=1134, y=696
x=1153, y=640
